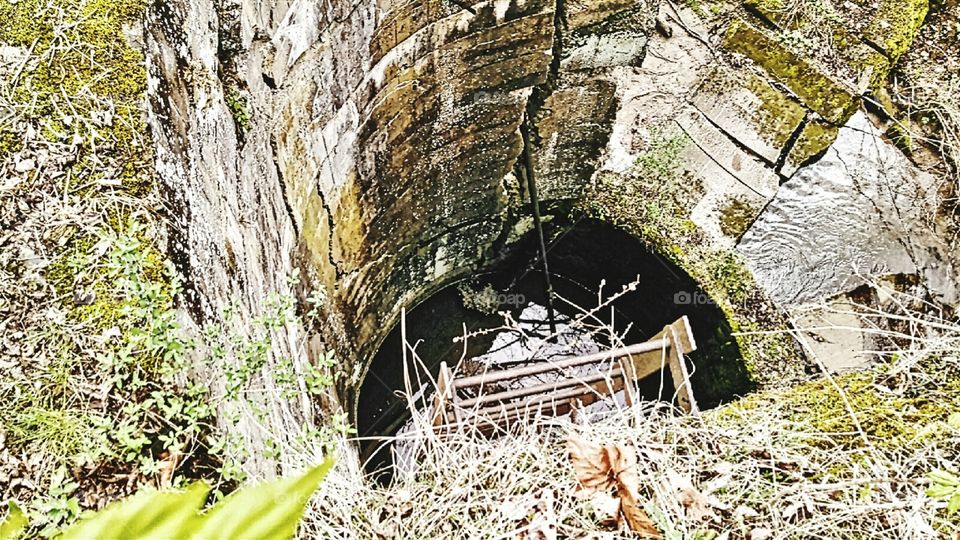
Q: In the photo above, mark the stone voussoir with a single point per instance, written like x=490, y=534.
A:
x=895, y=25
x=833, y=100
x=748, y=109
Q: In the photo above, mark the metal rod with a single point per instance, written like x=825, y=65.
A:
x=546, y=367
x=535, y=200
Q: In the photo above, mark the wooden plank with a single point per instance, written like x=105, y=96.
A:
x=440, y=397
x=679, y=373
x=506, y=395
x=596, y=387
x=546, y=367
x=545, y=408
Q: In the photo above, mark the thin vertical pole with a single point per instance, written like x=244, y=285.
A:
x=403, y=347
x=535, y=200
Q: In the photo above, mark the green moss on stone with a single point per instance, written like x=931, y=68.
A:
x=10, y=143
x=768, y=10
x=896, y=24
x=899, y=134
x=888, y=420
x=99, y=67
x=736, y=217
x=813, y=141
x=817, y=90
x=779, y=116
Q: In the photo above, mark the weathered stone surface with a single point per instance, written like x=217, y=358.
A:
x=584, y=13
x=813, y=141
x=574, y=113
x=834, y=334
x=573, y=127
x=605, y=51
x=832, y=99
x=862, y=210
x=748, y=109
x=650, y=96
x=736, y=184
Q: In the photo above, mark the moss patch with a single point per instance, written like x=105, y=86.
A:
x=813, y=141
x=896, y=24
x=889, y=420
x=736, y=217
x=88, y=83
x=810, y=84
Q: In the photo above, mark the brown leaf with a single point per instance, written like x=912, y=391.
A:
x=591, y=464
x=599, y=469
x=624, y=461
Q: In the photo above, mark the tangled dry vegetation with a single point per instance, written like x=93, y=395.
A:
x=926, y=86
x=867, y=454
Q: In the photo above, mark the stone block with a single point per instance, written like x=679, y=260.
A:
x=606, y=50
x=574, y=126
x=813, y=141
x=750, y=110
x=583, y=13
x=736, y=184
x=895, y=25
x=832, y=99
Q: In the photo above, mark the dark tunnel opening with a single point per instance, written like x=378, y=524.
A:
x=583, y=255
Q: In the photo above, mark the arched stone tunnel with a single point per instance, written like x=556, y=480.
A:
x=382, y=155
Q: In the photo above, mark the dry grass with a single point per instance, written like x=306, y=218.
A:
x=937, y=99
x=842, y=457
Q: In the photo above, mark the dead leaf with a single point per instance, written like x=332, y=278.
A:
x=599, y=469
x=636, y=518
x=761, y=533
x=591, y=464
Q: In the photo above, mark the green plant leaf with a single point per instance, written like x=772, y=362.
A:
x=267, y=511
x=954, y=504
x=940, y=491
x=14, y=525
x=147, y=516
x=954, y=420
x=944, y=478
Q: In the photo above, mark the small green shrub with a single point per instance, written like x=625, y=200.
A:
x=266, y=511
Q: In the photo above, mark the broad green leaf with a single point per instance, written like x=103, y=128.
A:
x=943, y=477
x=146, y=516
x=954, y=504
x=268, y=511
x=954, y=420
x=940, y=491
x=14, y=525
